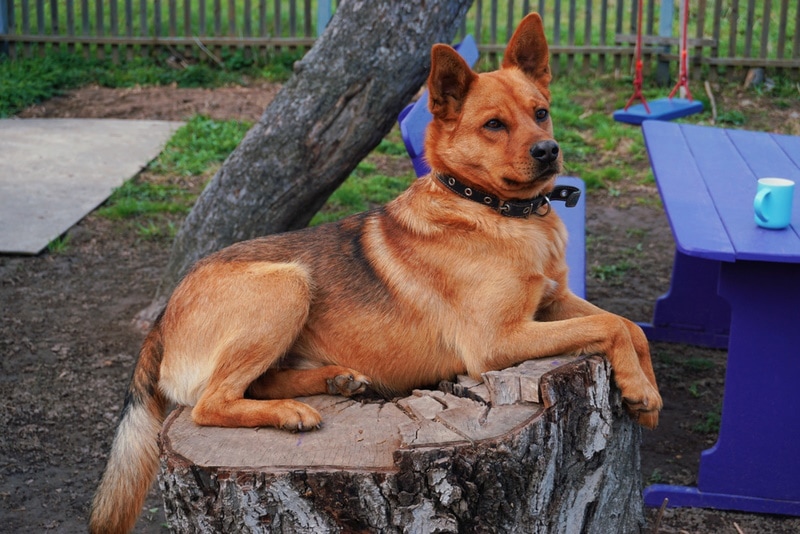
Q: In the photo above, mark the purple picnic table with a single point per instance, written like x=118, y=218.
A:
x=736, y=286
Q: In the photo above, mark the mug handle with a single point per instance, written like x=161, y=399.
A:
x=758, y=203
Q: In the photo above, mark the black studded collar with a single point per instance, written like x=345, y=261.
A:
x=513, y=208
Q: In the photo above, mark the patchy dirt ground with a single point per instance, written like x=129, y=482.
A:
x=158, y=103
x=68, y=347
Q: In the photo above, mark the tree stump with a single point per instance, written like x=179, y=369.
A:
x=541, y=447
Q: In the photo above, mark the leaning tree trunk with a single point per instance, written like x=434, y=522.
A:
x=343, y=98
x=535, y=449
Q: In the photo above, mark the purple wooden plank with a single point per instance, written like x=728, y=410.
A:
x=727, y=169
x=695, y=224
x=764, y=155
x=729, y=180
x=790, y=145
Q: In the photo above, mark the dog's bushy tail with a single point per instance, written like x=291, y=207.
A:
x=133, y=460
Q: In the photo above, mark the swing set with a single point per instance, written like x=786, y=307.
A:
x=664, y=108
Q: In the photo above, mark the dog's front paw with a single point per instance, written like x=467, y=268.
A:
x=646, y=419
x=643, y=404
x=296, y=416
x=347, y=384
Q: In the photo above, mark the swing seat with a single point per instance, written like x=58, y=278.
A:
x=663, y=109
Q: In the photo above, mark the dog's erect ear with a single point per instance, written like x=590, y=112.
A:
x=528, y=51
x=448, y=82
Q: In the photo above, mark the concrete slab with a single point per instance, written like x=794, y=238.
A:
x=55, y=171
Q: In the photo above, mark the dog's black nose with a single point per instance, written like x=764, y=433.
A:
x=545, y=151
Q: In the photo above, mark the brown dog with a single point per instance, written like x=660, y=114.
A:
x=454, y=276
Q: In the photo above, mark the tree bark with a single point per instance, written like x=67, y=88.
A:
x=343, y=98
x=468, y=458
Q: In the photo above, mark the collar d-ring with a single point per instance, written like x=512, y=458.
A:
x=548, y=207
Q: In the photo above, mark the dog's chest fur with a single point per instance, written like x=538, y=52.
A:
x=433, y=275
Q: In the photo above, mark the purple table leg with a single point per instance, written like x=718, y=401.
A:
x=755, y=464
x=692, y=312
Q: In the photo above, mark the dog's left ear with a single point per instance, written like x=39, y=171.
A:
x=527, y=50
x=448, y=83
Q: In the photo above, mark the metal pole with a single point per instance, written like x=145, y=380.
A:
x=4, y=12
x=664, y=30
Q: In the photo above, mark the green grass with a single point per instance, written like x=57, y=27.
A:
x=598, y=149
x=133, y=199
x=202, y=144
x=613, y=273
x=199, y=144
x=656, y=476
x=196, y=149
x=154, y=230
x=278, y=67
x=637, y=233
x=731, y=118
x=363, y=189
x=59, y=245
x=27, y=81
x=368, y=185
x=391, y=148
x=710, y=423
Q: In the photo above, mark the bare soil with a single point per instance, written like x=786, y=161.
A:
x=68, y=344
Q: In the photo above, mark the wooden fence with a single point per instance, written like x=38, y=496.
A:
x=590, y=34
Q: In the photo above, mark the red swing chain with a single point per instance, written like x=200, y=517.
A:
x=683, y=66
x=638, y=78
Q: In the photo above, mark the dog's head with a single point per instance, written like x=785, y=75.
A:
x=493, y=130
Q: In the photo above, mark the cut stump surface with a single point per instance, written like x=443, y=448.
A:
x=541, y=447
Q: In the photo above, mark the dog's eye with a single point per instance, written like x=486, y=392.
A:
x=494, y=124
x=542, y=114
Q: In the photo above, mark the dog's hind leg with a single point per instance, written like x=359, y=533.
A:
x=287, y=383
x=223, y=404
x=258, y=312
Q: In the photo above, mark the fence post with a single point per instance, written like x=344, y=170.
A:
x=664, y=30
x=324, y=9
x=4, y=12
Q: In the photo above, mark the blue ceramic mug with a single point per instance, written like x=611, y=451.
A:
x=773, y=202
